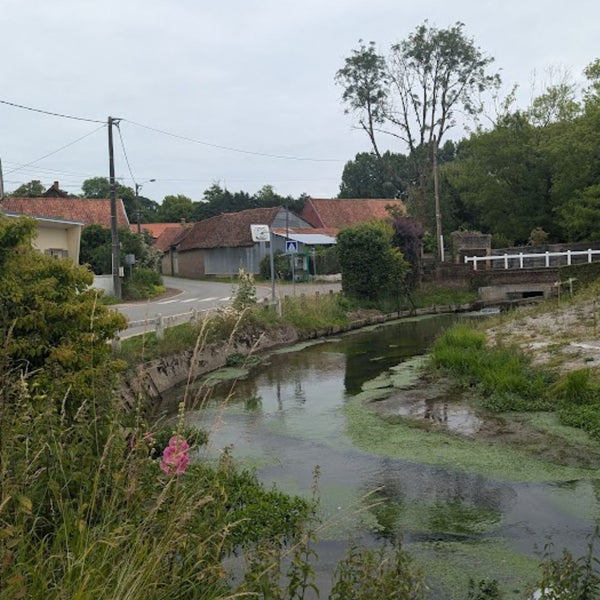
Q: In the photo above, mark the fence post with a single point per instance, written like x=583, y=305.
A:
x=116, y=344
x=505, y=261
x=194, y=317
x=547, y=258
x=317, y=297
x=160, y=327
x=520, y=260
x=568, y=257
x=589, y=255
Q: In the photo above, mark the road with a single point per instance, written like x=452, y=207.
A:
x=203, y=296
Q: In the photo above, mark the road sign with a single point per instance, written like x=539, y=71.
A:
x=291, y=246
x=260, y=233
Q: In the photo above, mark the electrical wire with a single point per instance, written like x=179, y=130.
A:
x=231, y=148
x=125, y=154
x=57, y=150
x=48, y=112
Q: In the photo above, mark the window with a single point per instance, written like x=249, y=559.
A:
x=57, y=252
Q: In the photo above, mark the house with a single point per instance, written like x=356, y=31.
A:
x=223, y=244
x=89, y=211
x=167, y=243
x=337, y=213
x=60, y=238
x=155, y=230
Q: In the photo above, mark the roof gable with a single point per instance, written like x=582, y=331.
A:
x=93, y=211
x=228, y=230
x=347, y=212
x=170, y=237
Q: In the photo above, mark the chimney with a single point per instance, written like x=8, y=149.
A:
x=55, y=186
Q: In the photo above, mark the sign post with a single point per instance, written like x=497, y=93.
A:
x=262, y=233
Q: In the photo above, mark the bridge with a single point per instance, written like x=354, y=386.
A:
x=513, y=276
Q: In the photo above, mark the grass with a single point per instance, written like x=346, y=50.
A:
x=431, y=294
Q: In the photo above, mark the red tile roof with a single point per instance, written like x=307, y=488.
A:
x=170, y=237
x=347, y=212
x=229, y=230
x=88, y=211
x=155, y=229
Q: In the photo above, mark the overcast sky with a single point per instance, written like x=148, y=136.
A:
x=254, y=75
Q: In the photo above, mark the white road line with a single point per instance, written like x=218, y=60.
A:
x=167, y=301
x=190, y=300
x=225, y=299
x=208, y=299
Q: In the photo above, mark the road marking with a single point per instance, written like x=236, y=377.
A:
x=225, y=299
x=167, y=301
x=190, y=300
x=208, y=299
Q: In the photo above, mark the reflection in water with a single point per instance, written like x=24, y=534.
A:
x=296, y=421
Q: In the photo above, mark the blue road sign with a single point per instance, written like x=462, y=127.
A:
x=291, y=246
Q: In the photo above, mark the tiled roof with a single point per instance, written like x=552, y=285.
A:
x=347, y=212
x=170, y=237
x=155, y=229
x=88, y=211
x=229, y=230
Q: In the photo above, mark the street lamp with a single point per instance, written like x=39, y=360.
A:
x=138, y=187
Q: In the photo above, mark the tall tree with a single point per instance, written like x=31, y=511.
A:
x=364, y=79
x=99, y=187
x=370, y=176
x=428, y=78
x=33, y=189
x=175, y=208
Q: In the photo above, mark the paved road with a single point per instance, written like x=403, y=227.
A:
x=188, y=294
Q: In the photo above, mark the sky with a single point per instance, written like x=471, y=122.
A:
x=239, y=93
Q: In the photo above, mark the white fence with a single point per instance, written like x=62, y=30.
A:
x=540, y=259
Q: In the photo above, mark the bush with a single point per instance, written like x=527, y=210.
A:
x=143, y=283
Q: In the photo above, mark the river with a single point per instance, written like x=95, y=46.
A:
x=463, y=508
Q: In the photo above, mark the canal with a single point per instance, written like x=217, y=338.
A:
x=463, y=507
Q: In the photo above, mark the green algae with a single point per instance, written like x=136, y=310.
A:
x=402, y=376
x=225, y=374
x=442, y=518
x=372, y=434
x=449, y=565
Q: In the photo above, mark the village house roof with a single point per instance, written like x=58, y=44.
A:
x=94, y=211
x=156, y=229
x=170, y=237
x=228, y=230
x=346, y=212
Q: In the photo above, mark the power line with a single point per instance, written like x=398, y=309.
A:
x=125, y=153
x=56, y=151
x=230, y=148
x=48, y=112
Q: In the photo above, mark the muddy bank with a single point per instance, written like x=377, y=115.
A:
x=149, y=381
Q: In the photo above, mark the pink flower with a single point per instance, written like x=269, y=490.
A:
x=175, y=458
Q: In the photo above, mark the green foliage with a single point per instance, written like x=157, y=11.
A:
x=327, y=260
x=244, y=296
x=142, y=283
x=371, y=267
x=33, y=189
x=52, y=327
x=313, y=312
x=365, y=574
x=502, y=375
x=485, y=589
x=568, y=577
x=372, y=176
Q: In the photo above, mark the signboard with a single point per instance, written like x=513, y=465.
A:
x=291, y=246
x=260, y=233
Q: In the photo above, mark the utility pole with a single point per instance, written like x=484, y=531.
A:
x=436, y=192
x=138, y=210
x=114, y=229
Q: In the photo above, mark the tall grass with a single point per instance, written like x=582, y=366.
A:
x=502, y=375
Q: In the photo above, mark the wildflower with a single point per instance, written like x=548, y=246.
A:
x=175, y=458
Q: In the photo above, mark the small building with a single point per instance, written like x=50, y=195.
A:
x=223, y=244
x=59, y=238
x=470, y=243
x=338, y=213
x=89, y=211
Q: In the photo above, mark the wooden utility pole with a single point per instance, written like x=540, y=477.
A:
x=436, y=192
x=114, y=228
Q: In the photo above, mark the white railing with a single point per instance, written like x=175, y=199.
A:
x=521, y=257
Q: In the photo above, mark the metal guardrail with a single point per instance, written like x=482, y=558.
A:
x=521, y=258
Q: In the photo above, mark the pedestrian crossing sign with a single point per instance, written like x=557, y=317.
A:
x=291, y=246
